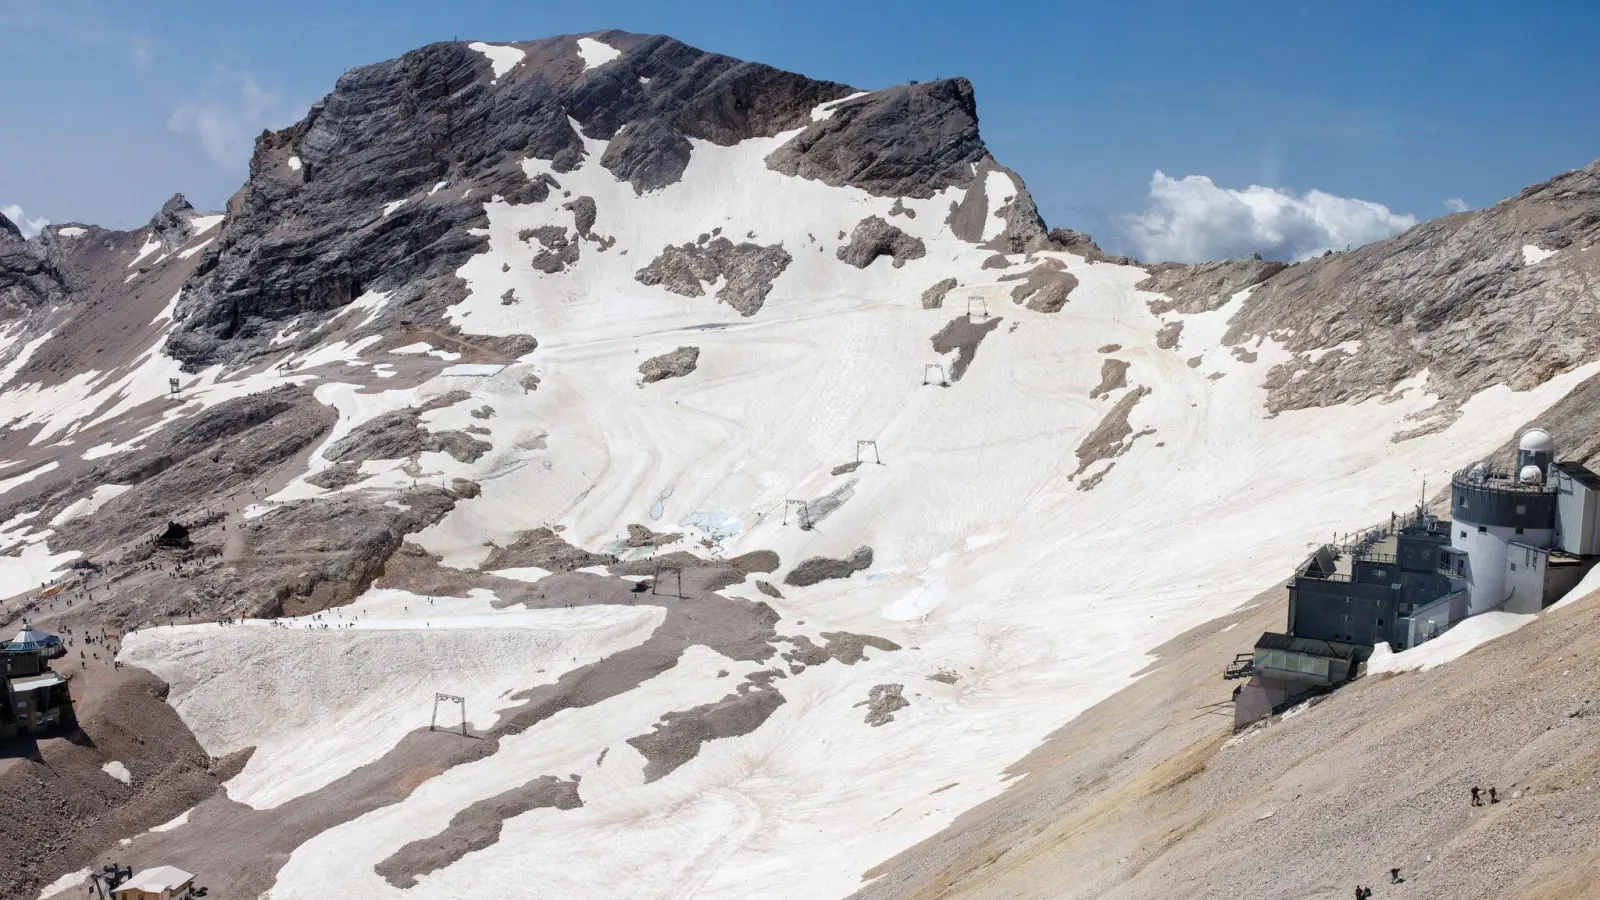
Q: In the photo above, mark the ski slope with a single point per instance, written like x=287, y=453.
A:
x=990, y=562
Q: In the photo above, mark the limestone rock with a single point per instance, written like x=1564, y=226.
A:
x=676, y=364
x=874, y=237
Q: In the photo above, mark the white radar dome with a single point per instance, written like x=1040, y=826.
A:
x=1530, y=475
x=1538, y=440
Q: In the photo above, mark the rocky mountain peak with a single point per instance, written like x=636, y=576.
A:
x=382, y=185
x=9, y=229
x=170, y=225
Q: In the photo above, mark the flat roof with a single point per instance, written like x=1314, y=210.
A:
x=156, y=880
x=1271, y=640
x=35, y=682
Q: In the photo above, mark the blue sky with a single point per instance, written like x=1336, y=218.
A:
x=113, y=106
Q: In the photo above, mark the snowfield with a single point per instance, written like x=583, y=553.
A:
x=991, y=560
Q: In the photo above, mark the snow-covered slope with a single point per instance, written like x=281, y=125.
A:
x=1067, y=480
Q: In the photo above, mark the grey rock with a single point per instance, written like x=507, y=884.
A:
x=829, y=503
x=1082, y=244
x=749, y=269
x=933, y=297
x=640, y=536
x=1206, y=286
x=305, y=243
x=648, y=154
x=400, y=434
x=969, y=217
x=904, y=141
x=1167, y=336
x=170, y=225
x=676, y=364
x=584, y=212
x=677, y=738
x=962, y=335
x=1046, y=289
x=882, y=702
x=874, y=237
x=477, y=827
x=542, y=547
x=1453, y=296
x=29, y=279
x=1113, y=376
x=822, y=568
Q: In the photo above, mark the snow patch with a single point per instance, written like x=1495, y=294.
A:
x=88, y=505
x=391, y=206
x=596, y=53
x=1350, y=348
x=179, y=822
x=117, y=770
x=151, y=245
x=72, y=231
x=185, y=254
x=294, y=163
x=502, y=59
x=63, y=884
x=1532, y=255
x=1447, y=647
x=379, y=662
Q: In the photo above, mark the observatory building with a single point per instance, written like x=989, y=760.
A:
x=1516, y=542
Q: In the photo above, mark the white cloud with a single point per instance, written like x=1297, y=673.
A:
x=227, y=118
x=29, y=227
x=1191, y=219
x=1456, y=204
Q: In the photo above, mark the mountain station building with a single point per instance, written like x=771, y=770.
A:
x=1515, y=542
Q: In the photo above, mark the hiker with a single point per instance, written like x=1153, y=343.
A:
x=1394, y=876
x=1492, y=797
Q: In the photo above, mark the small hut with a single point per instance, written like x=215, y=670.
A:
x=175, y=536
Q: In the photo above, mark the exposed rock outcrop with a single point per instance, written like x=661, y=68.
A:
x=882, y=702
x=676, y=364
x=1458, y=296
x=962, y=335
x=933, y=297
x=1206, y=286
x=400, y=434
x=676, y=739
x=874, y=237
x=910, y=140
x=822, y=568
x=749, y=270
x=1046, y=289
x=306, y=240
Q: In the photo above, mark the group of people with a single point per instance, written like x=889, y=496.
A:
x=1477, y=796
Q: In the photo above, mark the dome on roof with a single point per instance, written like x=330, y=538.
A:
x=31, y=639
x=1537, y=440
x=1530, y=475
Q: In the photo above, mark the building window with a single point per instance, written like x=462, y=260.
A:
x=1522, y=509
x=1380, y=622
x=1513, y=567
x=1519, y=529
x=1483, y=529
x=1463, y=534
